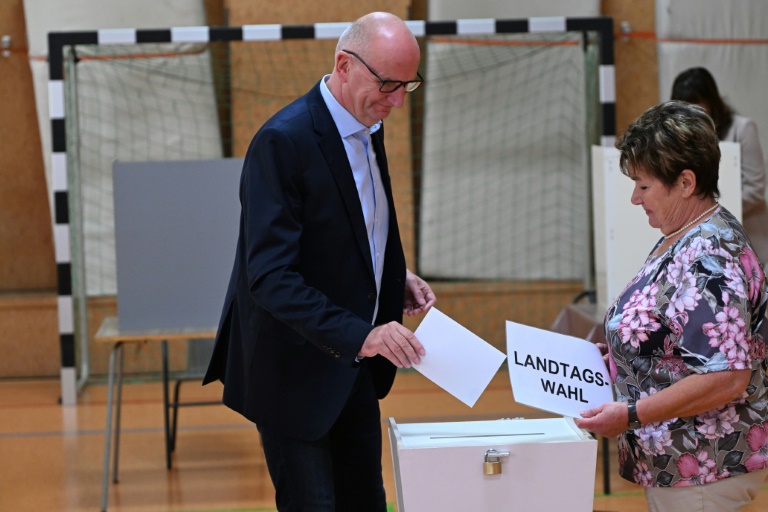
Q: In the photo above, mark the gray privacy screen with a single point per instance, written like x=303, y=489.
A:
x=176, y=226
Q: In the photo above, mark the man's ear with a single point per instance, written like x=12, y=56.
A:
x=343, y=64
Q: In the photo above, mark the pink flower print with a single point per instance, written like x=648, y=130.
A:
x=696, y=470
x=686, y=296
x=707, y=466
x=633, y=299
x=637, y=320
x=757, y=440
x=718, y=423
x=676, y=323
x=730, y=320
x=735, y=278
x=672, y=364
x=634, y=315
x=688, y=467
x=633, y=335
x=758, y=348
x=754, y=273
x=701, y=246
x=728, y=333
x=646, y=299
x=714, y=333
x=642, y=475
x=675, y=271
x=623, y=448
x=683, y=261
x=654, y=437
x=736, y=349
x=719, y=252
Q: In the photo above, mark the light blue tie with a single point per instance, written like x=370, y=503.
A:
x=368, y=196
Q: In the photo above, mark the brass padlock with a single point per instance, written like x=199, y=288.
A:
x=492, y=463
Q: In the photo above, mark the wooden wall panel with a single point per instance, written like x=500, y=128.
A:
x=484, y=306
x=244, y=12
x=314, y=59
x=29, y=343
x=637, y=70
x=28, y=312
x=26, y=254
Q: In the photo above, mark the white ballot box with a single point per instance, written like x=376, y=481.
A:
x=544, y=465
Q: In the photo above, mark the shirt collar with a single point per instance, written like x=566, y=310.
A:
x=345, y=122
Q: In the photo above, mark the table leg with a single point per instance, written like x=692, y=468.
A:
x=166, y=405
x=108, y=431
x=174, y=420
x=119, y=407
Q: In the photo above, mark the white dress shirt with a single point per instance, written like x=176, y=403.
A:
x=365, y=170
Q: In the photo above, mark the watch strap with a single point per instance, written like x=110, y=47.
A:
x=633, y=420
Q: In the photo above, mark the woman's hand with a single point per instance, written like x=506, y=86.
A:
x=604, y=350
x=608, y=420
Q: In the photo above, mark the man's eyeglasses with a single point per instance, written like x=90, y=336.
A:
x=388, y=86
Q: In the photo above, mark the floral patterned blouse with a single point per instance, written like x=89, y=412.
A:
x=697, y=308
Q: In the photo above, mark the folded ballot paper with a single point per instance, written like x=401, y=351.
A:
x=555, y=372
x=457, y=360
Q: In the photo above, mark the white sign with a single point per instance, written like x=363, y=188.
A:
x=556, y=373
x=457, y=360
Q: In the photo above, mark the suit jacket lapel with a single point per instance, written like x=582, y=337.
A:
x=336, y=158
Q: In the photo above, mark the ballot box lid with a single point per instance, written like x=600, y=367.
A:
x=479, y=433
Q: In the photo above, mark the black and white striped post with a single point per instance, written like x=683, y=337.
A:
x=57, y=41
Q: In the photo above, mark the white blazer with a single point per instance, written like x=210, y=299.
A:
x=754, y=209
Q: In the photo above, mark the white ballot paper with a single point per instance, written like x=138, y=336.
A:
x=457, y=360
x=554, y=372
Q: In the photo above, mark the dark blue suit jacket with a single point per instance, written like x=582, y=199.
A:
x=302, y=293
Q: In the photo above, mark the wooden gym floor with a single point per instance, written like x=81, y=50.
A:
x=51, y=456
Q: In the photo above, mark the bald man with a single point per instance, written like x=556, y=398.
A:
x=310, y=335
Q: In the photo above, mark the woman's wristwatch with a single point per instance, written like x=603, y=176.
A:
x=634, y=421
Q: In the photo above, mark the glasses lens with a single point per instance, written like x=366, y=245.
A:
x=412, y=86
x=388, y=87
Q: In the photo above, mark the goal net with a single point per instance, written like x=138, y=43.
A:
x=489, y=159
x=505, y=189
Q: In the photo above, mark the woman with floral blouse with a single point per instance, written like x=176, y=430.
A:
x=686, y=345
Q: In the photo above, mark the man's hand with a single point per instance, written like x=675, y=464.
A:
x=418, y=295
x=396, y=343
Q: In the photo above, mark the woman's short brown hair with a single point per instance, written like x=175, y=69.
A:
x=669, y=138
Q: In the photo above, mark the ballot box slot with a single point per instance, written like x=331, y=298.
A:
x=489, y=435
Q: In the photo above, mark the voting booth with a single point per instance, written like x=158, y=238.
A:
x=484, y=466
